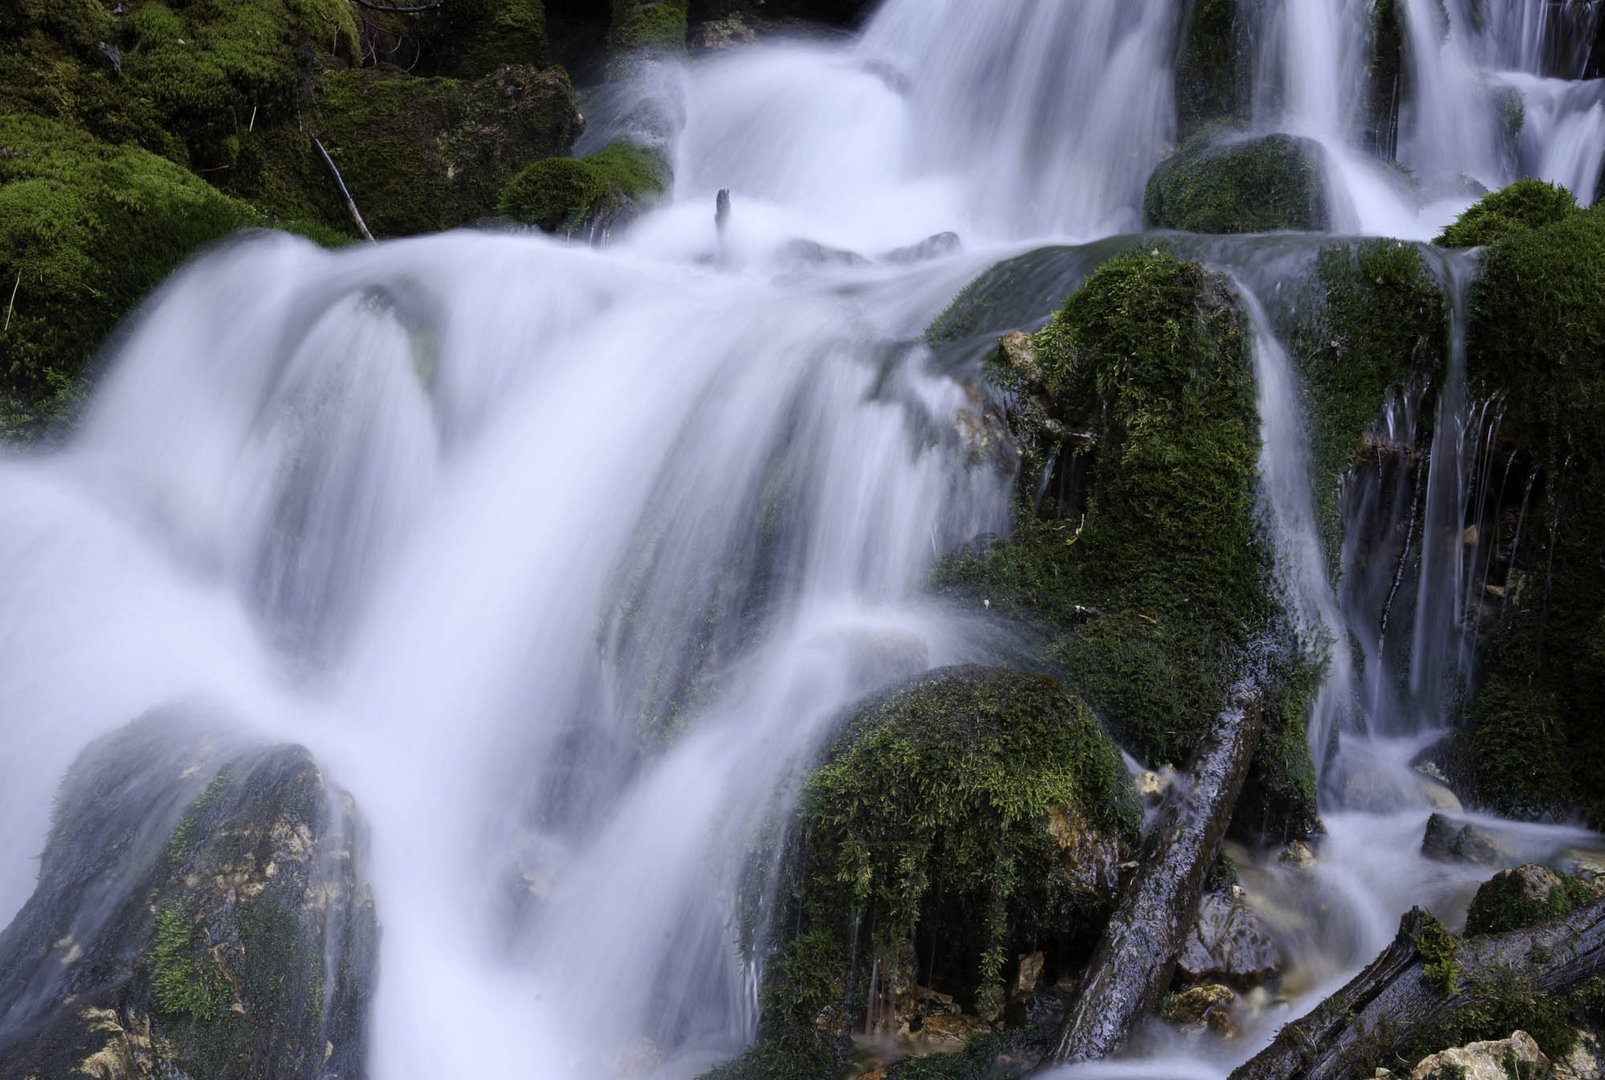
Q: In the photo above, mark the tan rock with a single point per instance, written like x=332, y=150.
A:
x=1196, y=1003
x=1493, y=1060
x=1029, y=975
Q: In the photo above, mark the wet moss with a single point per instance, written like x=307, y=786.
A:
x=472, y=38
x=1212, y=68
x=1142, y=556
x=1504, y=901
x=648, y=24
x=1524, y=205
x=86, y=230
x=1537, y=339
x=569, y=195
x=184, y=979
x=1221, y=183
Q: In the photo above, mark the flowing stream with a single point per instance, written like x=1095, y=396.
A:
x=561, y=559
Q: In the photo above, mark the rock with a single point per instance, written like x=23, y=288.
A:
x=1229, y=942
x=932, y=247
x=1585, y=1060
x=1029, y=974
x=814, y=253
x=1588, y=864
x=1191, y=1006
x=586, y=196
x=1152, y=786
x=1231, y=184
x=200, y=912
x=725, y=33
x=1297, y=854
x=1439, y=797
x=947, y=1033
x=1520, y=207
x=1497, y=1060
x=1452, y=841
x=1529, y=894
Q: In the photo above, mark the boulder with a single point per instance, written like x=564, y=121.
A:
x=1449, y=840
x=585, y=196
x=1512, y=899
x=200, y=911
x=1192, y=1007
x=1498, y=1060
x=1235, y=184
x=1229, y=943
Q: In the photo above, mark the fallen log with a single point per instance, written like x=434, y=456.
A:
x=1423, y=985
x=1136, y=958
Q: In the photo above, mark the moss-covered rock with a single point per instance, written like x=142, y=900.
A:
x=420, y=155
x=1229, y=184
x=470, y=39
x=1537, y=337
x=1512, y=899
x=1526, y=204
x=1213, y=66
x=972, y=817
x=1136, y=542
x=649, y=24
x=583, y=195
x=86, y=230
x=200, y=912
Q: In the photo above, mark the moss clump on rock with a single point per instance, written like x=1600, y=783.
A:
x=569, y=195
x=1137, y=543
x=421, y=155
x=1537, y=338
x=649, y=24
x=1512, y=899
x=472, y=38
x=1524, y=205
x=86, y=230
x=976, y=815
x=1240, y=185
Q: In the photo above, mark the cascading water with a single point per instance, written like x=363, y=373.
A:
x=563, y=560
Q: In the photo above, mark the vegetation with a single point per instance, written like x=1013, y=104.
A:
x=649, y=24
x=183, y=978
x=1516, y=898
x=1223, y=183
x=1524, y=205
x=567, y=195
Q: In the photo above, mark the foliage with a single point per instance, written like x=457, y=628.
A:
x=568, y=194
x=1524, y=205
x=1440, y=955
x=1222, y=183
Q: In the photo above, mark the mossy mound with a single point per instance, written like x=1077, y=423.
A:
x=1213, y=66
x=86, y=230
x=420, y=155
x=649, y=24
x=1139, y=548
x=199, y=912
x=1537, y=338
x=1375, y=324
x=1240, y=185
x=1526, y=204
x=579, y=195
x=974, y=816
x=1512, y=899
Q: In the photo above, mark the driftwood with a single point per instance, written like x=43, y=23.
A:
x=1419, y=983
x=351, y=205
x=1134, y=962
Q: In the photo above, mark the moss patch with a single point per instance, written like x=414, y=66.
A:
x=1526, y=204
x=1516, y=898
x=1234, y=185
x=472, y=38
x=568, y=195
x=648, y=24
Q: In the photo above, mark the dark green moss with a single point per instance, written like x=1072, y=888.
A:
x=1212, y=68
x=86, y=230
x=566, y=195
x=1504, y=902
x=472, y=38
x=1385, y=67
x=648, y=24
x=1526, y=204
x=1235, y=185
x=421, y=155
x=1537, y=338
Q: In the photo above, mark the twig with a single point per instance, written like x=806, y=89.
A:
x=356, y=215
x=13, y=305
x=417, y=9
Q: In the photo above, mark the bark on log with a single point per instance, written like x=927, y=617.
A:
x=1133, y=964
x=1396, y=1002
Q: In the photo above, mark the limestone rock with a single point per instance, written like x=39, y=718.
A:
x=727, y=33
x=1029, y=974
x=1450, y=841
x=1193, y=1005
x=1229, y=942
x=1528, y=894
x=1496, y=1060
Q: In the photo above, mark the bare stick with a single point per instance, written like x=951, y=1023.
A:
x=356, y=215
x=13, y=305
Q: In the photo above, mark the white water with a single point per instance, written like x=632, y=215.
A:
x=465, y=513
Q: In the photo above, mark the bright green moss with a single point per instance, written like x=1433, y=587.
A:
x=1440, y=955
x=648, y=24
x=184, y=979
x=565, y=195
x=86, y=230
x=1526, y=204
x=1234, y=185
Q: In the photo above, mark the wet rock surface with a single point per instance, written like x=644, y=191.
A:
x=1229, y=942
x=1495, y=1060
x=1450, y=840
x=200, y=912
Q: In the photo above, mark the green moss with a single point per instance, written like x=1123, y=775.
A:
x=1212, y=68
x=183, y=978
x=649, y=24
x=1502, y=903
x=472, y=38
x=1375, y=325
x=421, y=155
x=1524, y=205
x=1537, y=338
x=566, y=195
x=86, y=230
x=1440, y=954
x=1235, y=185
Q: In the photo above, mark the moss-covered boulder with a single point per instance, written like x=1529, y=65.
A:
x=1213, y=65
x=421, y=155
x=1512, y=899
x=1526, y=204
x=1230, y=184
x=200, y=912
x=86, y=230
x=974, y=817
x=1136, y=537
x=1537, y=338
x=649, y=24
x=470, y=39
x=585, y=195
